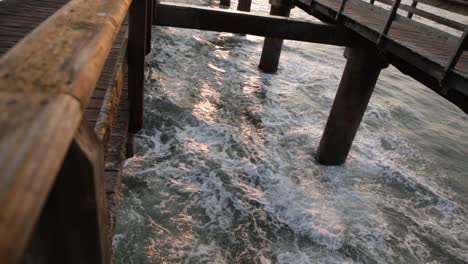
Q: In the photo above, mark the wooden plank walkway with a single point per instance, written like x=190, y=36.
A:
x=108, y=109
x=409, y=33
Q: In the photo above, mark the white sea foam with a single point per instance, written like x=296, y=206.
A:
x=224, y=170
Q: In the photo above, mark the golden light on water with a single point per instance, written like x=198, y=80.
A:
x=207, y=106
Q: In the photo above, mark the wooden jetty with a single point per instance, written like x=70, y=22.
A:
x=71, y=96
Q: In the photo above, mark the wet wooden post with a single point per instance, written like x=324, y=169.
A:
x=73, y=225
x=149, y=24
x=136, y=51
x=244, y=5
x=226, y=3
x=357, y=84
x=272, y=46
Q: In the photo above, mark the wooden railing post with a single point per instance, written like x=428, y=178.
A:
x=340, y=10
x=149, y=24
x=413, y=5
x=226, y=3
x=271, y=51
x=244, y=5
x=136, y=62
x=357, y=84
x=73, y=225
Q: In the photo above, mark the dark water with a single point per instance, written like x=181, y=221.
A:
x=224, y=169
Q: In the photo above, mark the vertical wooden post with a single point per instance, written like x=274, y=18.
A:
x=226, y=3
x=136, y=50
x=244, y=5
x=149, y=24
x=357, y=84
x=413, y=5
x=388, y=23
x=271, y=52
x=73, y=225
x=340, y=10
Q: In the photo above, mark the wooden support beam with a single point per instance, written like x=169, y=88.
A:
x=73, y=225
x=195, y=17
x=357, y=84
x=136, y=62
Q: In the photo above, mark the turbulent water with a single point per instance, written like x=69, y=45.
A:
x=224, y=169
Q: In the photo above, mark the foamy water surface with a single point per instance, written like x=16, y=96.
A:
x=224, y=169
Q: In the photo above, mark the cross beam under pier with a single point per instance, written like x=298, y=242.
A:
x=195, y=17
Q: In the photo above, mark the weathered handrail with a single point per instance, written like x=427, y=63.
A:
x=46, y=80
x=438, y=19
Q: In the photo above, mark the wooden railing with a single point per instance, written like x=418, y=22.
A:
x=52, y=195
x=455, y=6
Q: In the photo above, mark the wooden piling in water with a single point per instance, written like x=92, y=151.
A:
x=226, y=3
x=271, y=52
x=244, y=5
x=357, y=84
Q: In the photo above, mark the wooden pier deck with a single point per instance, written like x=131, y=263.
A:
x=416, y=49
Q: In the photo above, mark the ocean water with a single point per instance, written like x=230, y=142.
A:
x=224, y=169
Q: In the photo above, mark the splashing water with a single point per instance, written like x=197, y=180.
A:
x=224, y=169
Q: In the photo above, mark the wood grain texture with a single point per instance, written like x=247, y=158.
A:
x=73, y=225
x=36, y=133
x=13, y=23
x=65, y=54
